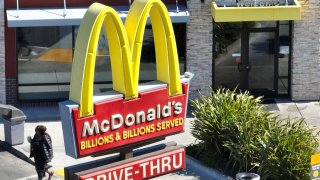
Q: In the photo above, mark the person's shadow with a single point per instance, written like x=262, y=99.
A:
x=15, y=152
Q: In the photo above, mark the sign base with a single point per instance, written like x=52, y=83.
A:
x=146, y=163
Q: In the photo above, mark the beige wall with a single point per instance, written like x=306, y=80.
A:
x=2, y=58
x=199, y=46
x=306, y=53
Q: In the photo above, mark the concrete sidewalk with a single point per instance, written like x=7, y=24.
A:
x=48, y=117
x=309, y=110
x=61, y=160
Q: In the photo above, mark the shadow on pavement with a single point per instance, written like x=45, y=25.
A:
x=188, y=172
x=15, y=152
x=189, y=110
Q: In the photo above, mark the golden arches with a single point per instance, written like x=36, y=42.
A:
x=125, y=50
x=164, y=39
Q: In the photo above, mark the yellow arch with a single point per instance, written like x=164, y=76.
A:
x=164, y=40
x=82, y=75
x=125, y=52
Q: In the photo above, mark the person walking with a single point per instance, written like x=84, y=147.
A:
x=41, y=150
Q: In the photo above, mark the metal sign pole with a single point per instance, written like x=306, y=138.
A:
x=17, y=8
x=64, y=8
x=127, y=154
x=177, y=6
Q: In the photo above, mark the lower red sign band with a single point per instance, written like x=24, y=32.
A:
x=144, y=168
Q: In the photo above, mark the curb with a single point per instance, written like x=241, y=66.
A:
x=204, y=171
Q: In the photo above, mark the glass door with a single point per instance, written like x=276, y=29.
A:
x=255, y=56
x=227, y=60
x=260, y=65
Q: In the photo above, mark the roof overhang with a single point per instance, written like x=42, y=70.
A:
x=266, y=13
x=73, y=16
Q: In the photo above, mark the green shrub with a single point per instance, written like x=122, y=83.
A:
x=240, y=136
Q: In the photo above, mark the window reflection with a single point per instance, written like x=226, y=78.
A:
x=227, y=57
x=284, y=55
x=262, y=66
x=44, y=62
x=227, y=25
x=45, y=59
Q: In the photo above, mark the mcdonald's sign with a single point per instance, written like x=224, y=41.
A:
x=130, y=114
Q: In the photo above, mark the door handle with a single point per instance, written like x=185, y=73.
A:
x=248, y=67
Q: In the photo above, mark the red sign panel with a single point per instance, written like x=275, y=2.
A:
x=143, y=168
x=118, y=122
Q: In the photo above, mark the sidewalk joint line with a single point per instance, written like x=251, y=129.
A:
x=298, y=109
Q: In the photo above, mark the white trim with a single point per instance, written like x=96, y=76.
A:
x=29, y=177
x=73, y=16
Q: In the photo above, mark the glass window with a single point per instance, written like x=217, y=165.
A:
x=262, y=24
x=284, y=48
x=227, y=25
x=284, y=55
x=45, y=61
x=148, y=56
x=259, y=3
x=103, y=75
x=180, y=34
x=283, y=86
x=227, y=60
x=261, y=62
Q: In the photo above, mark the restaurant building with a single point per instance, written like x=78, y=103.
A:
x=268, y=47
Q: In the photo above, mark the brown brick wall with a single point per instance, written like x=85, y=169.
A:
x=2, y=55
x=12, y=91
x=12, y=96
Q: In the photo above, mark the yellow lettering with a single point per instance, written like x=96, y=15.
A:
x=87, y=144
x=83, y=145
x=163, y=124
x=172, y=123
x=101, y=141
x=159, y=127
x=168, y=124
x=152, y=129
x=106, y=139
x=176, y=122
x=181, y=121
x=142, y=130
x=111, y=138
x=124, y=134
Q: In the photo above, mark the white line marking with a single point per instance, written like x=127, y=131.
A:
x=25, y=178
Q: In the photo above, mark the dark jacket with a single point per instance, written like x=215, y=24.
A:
x=45, y=145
